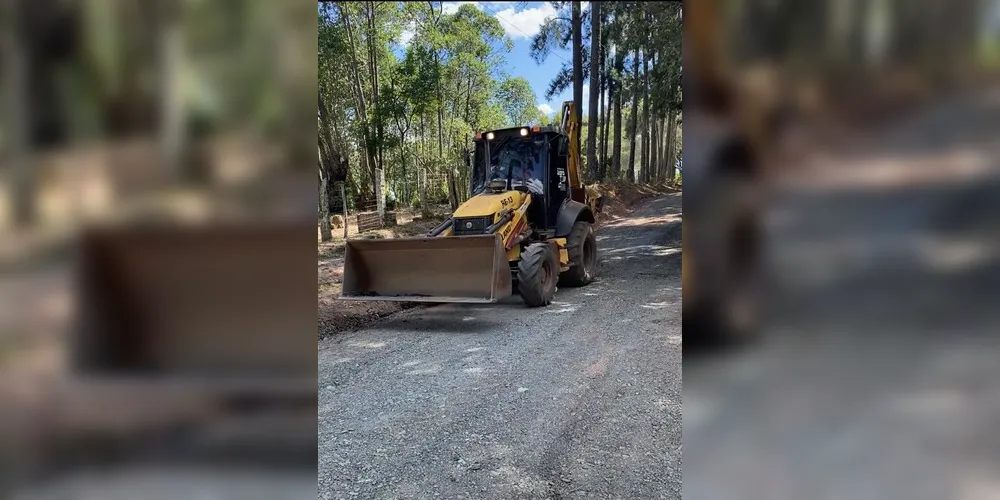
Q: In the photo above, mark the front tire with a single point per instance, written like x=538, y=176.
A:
x=581, y=245
x=537, y=274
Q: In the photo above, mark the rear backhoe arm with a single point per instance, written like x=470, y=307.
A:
x=572, y=129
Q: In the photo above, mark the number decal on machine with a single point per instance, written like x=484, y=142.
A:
x=507, y=201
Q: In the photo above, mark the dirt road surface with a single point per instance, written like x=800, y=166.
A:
x=581, y=398
x=879, y=376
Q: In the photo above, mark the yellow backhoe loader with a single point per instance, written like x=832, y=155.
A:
x=528, y=226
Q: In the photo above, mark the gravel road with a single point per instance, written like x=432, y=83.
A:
x=878, y=377
x=582, y=398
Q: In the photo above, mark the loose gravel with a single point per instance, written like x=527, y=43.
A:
x=581, y=398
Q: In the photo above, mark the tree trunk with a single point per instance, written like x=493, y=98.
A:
x=330, y=159
x=452, y=189
x=635, y=116
x=17, y=126
x=653, y=149
x=330, y=146
x=602, y=117
x=171, y=106
x=672, y=116
x=645, y=119
x=671, y=146
x=577, y=70
x=422, y=180
x=369, y=161
x=402, y=167
x=661, y=168
x=402, y=147
x=369, y=177
x=452, y=195
x=343, y=202
x=373, y=72
x=605, y=109
x=616, y=149
x=467, y=177
x=595, y=89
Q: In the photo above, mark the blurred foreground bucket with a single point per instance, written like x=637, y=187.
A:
x=233, y=301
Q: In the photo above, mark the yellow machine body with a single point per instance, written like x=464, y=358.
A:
x=471, y=258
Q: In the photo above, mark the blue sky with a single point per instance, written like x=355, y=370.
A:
x=521, y=20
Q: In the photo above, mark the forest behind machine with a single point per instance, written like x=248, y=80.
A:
x=404, y=86
x=528, y=224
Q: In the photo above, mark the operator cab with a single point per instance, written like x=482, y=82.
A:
x=526, y=159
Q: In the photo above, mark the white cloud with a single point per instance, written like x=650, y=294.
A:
x=452, y=7
x=496, y=5
x=545, y=109
x=405, y=37
x=407, y=34
x=526, y=23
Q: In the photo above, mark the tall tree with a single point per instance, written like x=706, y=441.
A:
x=577, y=68
x=654, y=135
x=368, y=144
x=558, y=32
x=646, y=124
x=634, y=113
x=604, y=105
x=373, y=46
x=616, y=98
x=595, y=89
x=16, y=135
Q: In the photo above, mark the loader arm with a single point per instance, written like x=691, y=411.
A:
x=571, y=128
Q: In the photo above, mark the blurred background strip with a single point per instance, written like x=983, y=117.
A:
x=873, y=128
x=157, y=243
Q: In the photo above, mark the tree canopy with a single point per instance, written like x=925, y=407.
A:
x=403, y=87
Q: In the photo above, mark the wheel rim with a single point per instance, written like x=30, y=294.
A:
x=546, y=273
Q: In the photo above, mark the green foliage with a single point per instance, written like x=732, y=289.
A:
x=518, y=102
x=383, y=98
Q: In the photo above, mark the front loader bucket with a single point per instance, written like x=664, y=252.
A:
x=434, y=269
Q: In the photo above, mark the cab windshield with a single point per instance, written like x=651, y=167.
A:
x=518, y=161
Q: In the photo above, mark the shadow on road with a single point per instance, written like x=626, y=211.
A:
x=451, y=319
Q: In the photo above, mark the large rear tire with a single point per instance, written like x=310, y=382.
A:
x=537, y=274
x=581, y=244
